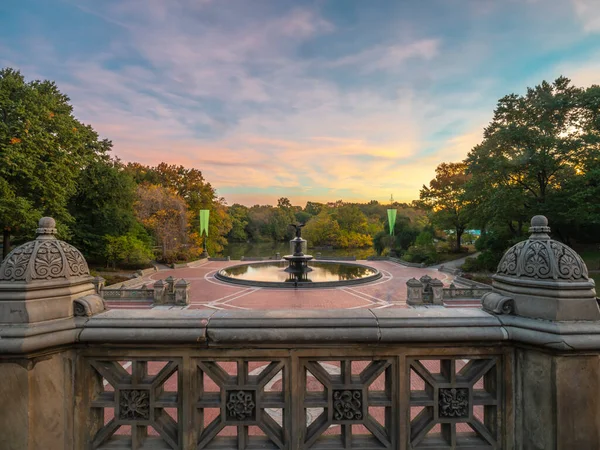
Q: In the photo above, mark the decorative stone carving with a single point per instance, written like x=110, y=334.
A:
x=78, y=309
x=497, y=304
x=347, y=405
x=16, y=263
x=542, y=258
x=88, y=306
x=44, y=259
x=240, y=405
x=48, y=262
x=545, y=280
x=453, y=402
x=134, y=404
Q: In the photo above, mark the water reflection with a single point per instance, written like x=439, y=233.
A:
x=321, y=272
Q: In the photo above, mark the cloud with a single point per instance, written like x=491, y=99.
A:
x=588, y=11
x=392, y=56
x=270, y=100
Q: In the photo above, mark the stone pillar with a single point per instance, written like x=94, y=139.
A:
x=99, y=283
x=182, y=292
x=437, y=291
x=39, y=283
x=414, y=292
x=545, y=284
x=159, y=292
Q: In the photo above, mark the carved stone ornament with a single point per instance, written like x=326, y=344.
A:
x=454, y=402
x=46, y=258
x=240, y=405
x=540, y=257
x=347, y=405
x=497, y=304
x=134, y=404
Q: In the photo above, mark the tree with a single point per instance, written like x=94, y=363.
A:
x=445, y=197
x=42, y=150
x=535, y=147
x=322, y=230
x=239, y=222
x=198, y=194
x=126, y=249
x=102, y=206
x=165, y=214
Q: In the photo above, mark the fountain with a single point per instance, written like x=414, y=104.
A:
x=295, y=271
x=298, y=268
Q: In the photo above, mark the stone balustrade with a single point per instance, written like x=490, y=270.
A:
x=167, y=292
x=516, y=374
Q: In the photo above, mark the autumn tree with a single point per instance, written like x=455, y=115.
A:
x=165, y=214
x=197, y=193
x=445, y=197
x=43, y=148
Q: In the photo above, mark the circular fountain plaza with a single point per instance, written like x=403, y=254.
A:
x=294, y=282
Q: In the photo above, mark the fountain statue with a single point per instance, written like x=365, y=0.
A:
x=294, y=271
x=298, y=267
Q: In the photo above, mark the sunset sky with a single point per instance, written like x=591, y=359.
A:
x=313, y=100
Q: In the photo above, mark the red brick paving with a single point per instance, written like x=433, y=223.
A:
x=208, y=292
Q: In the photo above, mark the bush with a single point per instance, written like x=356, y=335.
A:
x=421, y=254
x=127, y=250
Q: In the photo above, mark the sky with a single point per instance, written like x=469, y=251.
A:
x=318, y=100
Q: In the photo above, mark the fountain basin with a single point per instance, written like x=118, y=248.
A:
x=321, y=274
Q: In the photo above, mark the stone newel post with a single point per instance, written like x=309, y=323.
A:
x=437, y=291
x=44, y=285
x=542, y=284
x=159, y=292
x=414, y=290
x=182, y=292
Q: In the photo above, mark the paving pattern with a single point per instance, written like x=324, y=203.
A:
x=208, y=292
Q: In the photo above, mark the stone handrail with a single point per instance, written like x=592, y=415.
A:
x=369, y=362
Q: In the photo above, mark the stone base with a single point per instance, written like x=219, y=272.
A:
x=37, y=403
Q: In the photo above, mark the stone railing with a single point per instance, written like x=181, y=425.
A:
x=366, y=379
x=523, y=372
x=427, y=290
x=475, y=292
x=163, y=292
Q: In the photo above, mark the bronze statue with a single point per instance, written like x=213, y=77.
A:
x=298, y=228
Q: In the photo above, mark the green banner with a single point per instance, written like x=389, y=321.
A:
x=392, y=220
x=204, y=213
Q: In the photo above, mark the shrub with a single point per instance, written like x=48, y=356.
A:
x=421, y=254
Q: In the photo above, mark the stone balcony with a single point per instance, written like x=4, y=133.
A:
x=523, y=372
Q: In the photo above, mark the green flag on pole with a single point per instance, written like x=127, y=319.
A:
x=392, y=220
x=204, y=213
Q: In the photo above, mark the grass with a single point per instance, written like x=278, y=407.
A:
x=591, y=258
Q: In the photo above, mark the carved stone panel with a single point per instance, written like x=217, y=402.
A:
x=134, y=404
x=241, y=405
x=347, y=405
x=453, y=402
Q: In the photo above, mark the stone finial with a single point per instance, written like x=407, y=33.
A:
x=40, y=279
x=46, y=228
x=547, y=279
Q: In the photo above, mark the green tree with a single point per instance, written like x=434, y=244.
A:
x=322, y=230
x=532, y=153
x=239, y=221
x=446, y=198
x=127, y=249
x=43, y=147
x=101, y=206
